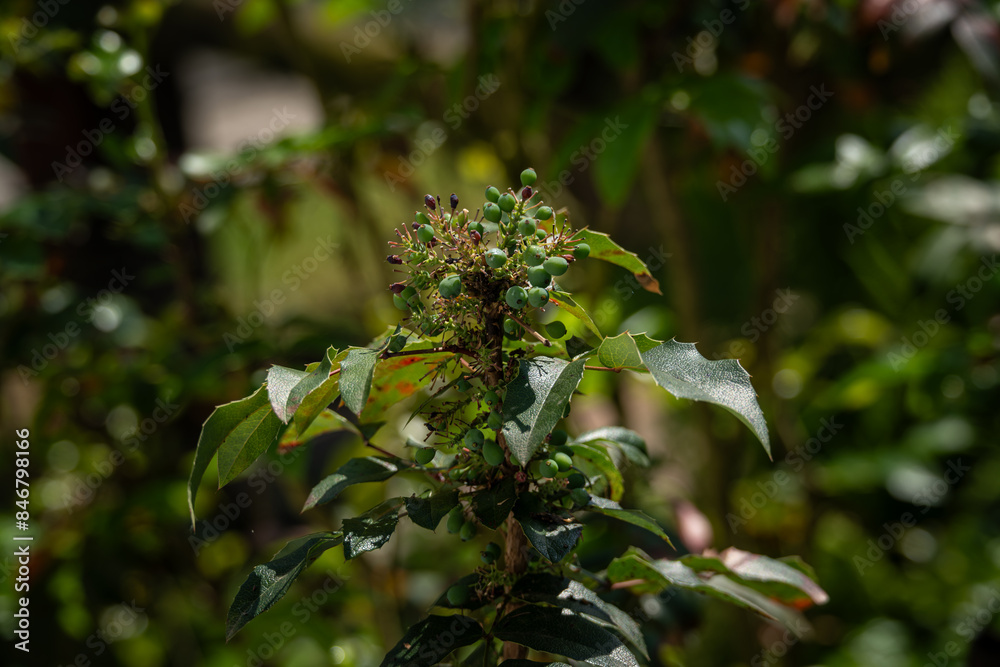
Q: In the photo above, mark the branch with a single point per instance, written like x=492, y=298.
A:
x=534, y=333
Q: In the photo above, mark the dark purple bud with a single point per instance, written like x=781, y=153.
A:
x=454, y=201
x=397, y=287
x=526, y=193
x=416, y=225
x=393, y=259
x=429, y=202
x=475, y=236
x=433, y=242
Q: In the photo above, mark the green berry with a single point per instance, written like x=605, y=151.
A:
x=558, y=437
x=576, y=481
x=493, y=549
x=424, y=456
x=555, y=329
x=538, y=296
x=494, y=421
x=455, y=520
x=540, y=234
x=538, y=276
x=512, y=328
x=468, y=531
x=534, y=255
x=548, y=468
x=516, y=297
x=507, y=202
x=399, y=302
x=526, y=227
x=473, y=438
x=408, y=292
x=461, y=217
x=564, y=461
x=492, y=194
x=492, y=453
x=425, y=234
x=463, y=385
x=556, y=265
x=450, y=287
x=580, y=496
x=476, y=227
x=455, y=474
x=581, y=251
x=491, y=398
x=487, y=558
x=422, y=218
x=492, y=212
x=528, y=176
x=543, y=213
x=458, y=594
x=496, y=258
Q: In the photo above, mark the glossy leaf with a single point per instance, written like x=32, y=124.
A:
x=397, y=378
x=493, y=505
x=431, y=640
x=355, y=471
x=287, y=388
x=630, y=443
x=603, y=248
x=356, y=373
x=269, y=582
x=319, y=398
x=566, y=302
x=428, y=512
x=680, y=369
x=535, y=402
x=554, y=536
x=554, y=631
x=634, y=517
x=247, y=440
x=517, y=662
x=771, y=577
x=372, y=529
x=603, y=464
x=326, y=422
x=619, y=352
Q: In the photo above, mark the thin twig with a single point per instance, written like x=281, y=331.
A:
x=602, y=368
x=534, y=333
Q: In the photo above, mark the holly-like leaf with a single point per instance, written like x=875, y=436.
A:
x=327, y=422
x=355, y=471
x=356, y=373
x=566, y=302
x=634, y=517
x=428, y=512
x=269, y=582
x=553, y=535
x=628, y=442
x=603, y=464
x=397, y=378
x=431, y=640
x=681, y=370
x=372, y=529
x=603, y=248
x=492, y=505
x=217, y=429
x=287, y=387
x=318, y=399
x=535, y=402
x=572, y=595
x=247, y=439
x=619, y=352
x=551, y=630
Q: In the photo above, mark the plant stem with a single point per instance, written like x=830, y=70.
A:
x=516, y=563
x=534, y=333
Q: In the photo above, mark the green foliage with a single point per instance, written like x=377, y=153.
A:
x=523, y=475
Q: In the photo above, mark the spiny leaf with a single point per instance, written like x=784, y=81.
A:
x=619, y=352
x=553, y=535
x=428, y=512
x=372, y=529
x=535, y=402
x=356, y=372
x=634, y=517
x=566, y=302
x=269, y=582
x=629, y=442
x=603, y=248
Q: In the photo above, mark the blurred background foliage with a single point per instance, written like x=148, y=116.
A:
x=194, y=190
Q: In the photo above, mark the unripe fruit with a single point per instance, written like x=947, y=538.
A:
x=540, y=234
x=528, y=176
x=493, y=549
x=538, y=276
x=424, y=456
x=476, y=227
x=558, y=437
x=491, y=398
x=422, y=219
x=526, y=227
x=494, y=421
x=425, y=234
x=548, y=468
x=512, y=328
x=461, y=217
x=397, y=343
x=450, y=287
x=564, y=461
x=555, y=329
x=455, y=520
x=543, y=213
x=538, y=296
x=487, y=558
x=492, y=194
x=580, y=497
x=492, y=453
x=458, y=594
x=463, y=385
x=492, y=212
x=496, y=258
x=399, y=302
x=534, y=255
x=468, y=531
x=507, y=202
x=581, y=251
x=408, y=292
x=474, y=438
x=556, y=265
x=455, y=474
x=516, y=297
x=576, y=481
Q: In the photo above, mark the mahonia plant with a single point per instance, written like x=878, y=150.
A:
x=497, y=384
